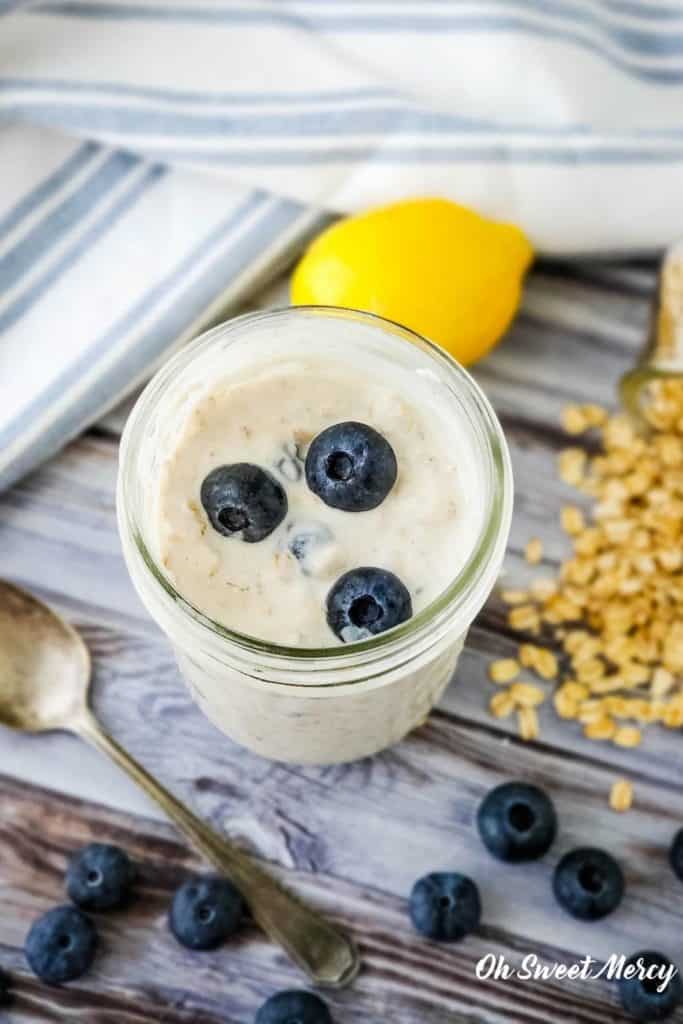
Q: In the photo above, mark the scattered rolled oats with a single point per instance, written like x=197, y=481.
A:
x=590, y=671
x=621, y=795
x=634, y=673
x=524, y=618
x=614, y=706
x=627, y=736
x=543, y=588
x=540, y=659
x=584, y=650
x=594, y=415
x=574, y=639
x=501, y=704
x=574, y=420
x=590, y=711
x=640, y=710
x=607, y=684
x=534, y=551
x=577, y=691
x=527, y=655
x=662, y=681
x=572, y=464
x=670, y=559
x=526, y=695
x=572, y=520
x=565, y=705
x=527, y=721
x=614, y=609
x=602, y=729
x=504, y=670
x=515, y=596
x=672, y=716
x=546, y=663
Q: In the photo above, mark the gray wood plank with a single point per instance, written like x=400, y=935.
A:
x=143, y=975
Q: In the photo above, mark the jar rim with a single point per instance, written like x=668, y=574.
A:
x=425, y=626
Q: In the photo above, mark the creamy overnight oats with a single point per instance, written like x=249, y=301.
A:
x=314, y=504
x=289, y=475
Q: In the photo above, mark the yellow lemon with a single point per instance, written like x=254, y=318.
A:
x=429, y=264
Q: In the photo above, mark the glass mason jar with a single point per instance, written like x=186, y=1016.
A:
x=305, y=705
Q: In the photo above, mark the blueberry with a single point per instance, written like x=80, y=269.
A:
x=588, y=883
x=294, y=1008
x=445, y=906
x=5, y=990
x=350, y=466
x=99, y=877
x=517, y=822
x=676, y=855
x=365, y=602
x=639, y=995
x=290, y=464
x=61, y=945
x=306, y=541
x=205, y=911
x=243, y=499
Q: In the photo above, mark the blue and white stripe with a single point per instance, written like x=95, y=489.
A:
x=628, y=35
x=308, y=130
x=170, y=312
x=65, y=233
x=160, y=155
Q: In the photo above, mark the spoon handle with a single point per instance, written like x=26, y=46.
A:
x=326, y=954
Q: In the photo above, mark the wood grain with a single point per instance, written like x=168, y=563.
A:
x=142, y=974
x=351, y=839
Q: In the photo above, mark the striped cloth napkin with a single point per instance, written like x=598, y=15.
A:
x=161, y=158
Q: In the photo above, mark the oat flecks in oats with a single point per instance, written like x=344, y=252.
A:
x=614, y=609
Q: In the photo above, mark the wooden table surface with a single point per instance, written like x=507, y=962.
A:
x=350, y=839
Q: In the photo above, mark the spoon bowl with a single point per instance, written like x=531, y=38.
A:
x=44, y=665
x=44, y=683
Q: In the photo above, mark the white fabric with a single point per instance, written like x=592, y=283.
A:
x=157, y=157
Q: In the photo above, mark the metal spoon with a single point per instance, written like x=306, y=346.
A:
x=44, y=683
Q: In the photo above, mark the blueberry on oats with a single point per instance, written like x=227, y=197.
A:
x=350, y=466
x=243, y=500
